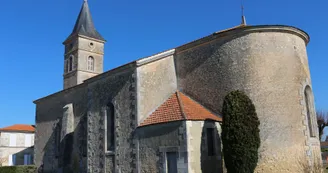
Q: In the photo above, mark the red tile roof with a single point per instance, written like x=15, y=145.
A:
x=19, y=127
x=179, y=107
x=324, y=144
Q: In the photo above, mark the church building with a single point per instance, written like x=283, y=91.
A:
x=162, y=113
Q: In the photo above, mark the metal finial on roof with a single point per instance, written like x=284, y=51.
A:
x=243, y=18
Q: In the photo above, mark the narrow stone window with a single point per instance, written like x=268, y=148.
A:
x=210, y=141
x=66, y=66
x=110, y=127
x=90, y=63
x=70, y=63
x=309, y=110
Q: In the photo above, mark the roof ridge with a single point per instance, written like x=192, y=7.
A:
x=180, y=105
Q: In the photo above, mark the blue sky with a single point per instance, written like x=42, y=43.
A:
x=32, y=33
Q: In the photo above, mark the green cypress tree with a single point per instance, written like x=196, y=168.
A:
x=240, y=133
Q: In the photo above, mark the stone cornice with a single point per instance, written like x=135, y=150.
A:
x=242, y=30
x=156, y=57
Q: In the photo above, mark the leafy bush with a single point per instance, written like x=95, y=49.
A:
x=324, y=149
x=240, y=133
x=18, y=169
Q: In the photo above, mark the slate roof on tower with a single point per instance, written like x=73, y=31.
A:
x=84, y=24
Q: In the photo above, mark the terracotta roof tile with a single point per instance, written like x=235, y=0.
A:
x=19, y=127
x=324, y=144
x=179, y=107
x=167, y=112
x=195, y=111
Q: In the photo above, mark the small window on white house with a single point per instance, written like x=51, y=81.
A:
x=12, y=140
x=28, y=140
x=90, y=63
x=27, y=159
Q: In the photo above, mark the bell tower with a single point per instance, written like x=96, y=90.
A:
x=84, y=50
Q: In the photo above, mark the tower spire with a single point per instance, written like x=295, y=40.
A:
x=84, y=24
x=243, y=18
x=84, y=50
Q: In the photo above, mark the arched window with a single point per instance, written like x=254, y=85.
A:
x=70, y=63
x=110, y=127
x=90, y=63
x=310, y=110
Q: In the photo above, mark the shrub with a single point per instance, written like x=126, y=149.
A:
x=18, y=169
x=240, y=133
x=324, y=149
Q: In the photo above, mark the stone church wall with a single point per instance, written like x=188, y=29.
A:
x=156, y=140
x=198, y=158
x=270, y=65
x=156, y=83
x=49, y=114
x=117, y=88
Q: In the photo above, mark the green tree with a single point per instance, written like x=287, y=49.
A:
x=240, y=133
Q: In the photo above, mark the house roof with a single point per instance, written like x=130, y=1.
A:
x=84, y=24
x=19, y=128
x=324, y=144
x=179, y=107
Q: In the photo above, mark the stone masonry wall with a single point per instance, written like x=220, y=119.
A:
x=270, y=67
x=156, y=83
x=156, y=140
x=49, y=114
x=119, y=90
x=198, y=158
x=86, y=50
x=81, y=48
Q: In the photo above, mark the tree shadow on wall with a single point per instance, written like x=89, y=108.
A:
x=59, y=155
x=20, y=156
x=211, y=156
